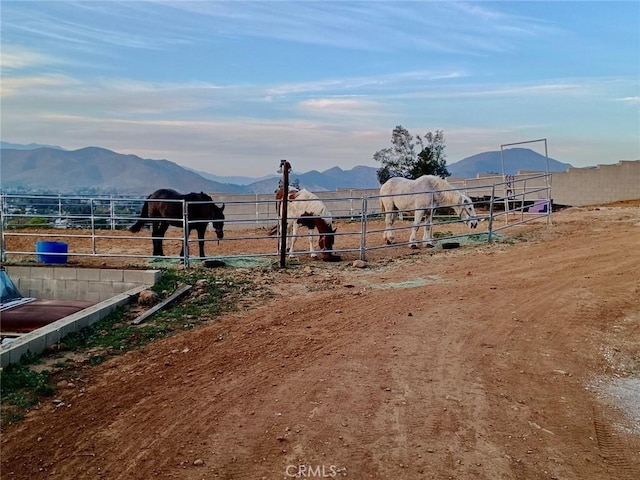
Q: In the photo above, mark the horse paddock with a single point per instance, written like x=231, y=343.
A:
x=120, y=248
x=511, y=360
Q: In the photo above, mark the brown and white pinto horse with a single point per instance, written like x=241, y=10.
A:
x=306, y=209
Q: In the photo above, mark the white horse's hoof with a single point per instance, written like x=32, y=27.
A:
x=314, y=255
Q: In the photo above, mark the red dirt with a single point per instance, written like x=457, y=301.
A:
x=466, y=363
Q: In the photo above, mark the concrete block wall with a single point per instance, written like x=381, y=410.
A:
x=72, y=283
x=597, y=185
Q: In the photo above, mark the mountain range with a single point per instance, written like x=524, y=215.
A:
x=93, y=170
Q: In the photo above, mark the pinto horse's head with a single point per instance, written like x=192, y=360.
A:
x=325, y=242
x=466, y=212
x=327, y=239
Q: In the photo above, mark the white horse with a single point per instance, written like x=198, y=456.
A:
x=422, y=195
x=306, y=209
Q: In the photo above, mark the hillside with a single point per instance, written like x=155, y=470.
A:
x=93, y=170
x=328, y=180
x=98, y=170
x=515, y=160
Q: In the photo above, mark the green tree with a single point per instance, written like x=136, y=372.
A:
x=431, y=159
x=401, y=160
x=294, y=184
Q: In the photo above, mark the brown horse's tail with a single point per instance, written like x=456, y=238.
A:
x=136, y=227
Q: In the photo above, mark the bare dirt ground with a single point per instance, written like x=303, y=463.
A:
x=483, y=362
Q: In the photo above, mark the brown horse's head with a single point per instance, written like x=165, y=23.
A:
x=218, y=219
x=203, y=208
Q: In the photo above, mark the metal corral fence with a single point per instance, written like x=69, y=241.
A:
x=90, y=225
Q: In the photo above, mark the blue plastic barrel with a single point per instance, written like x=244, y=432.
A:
x=44, y=251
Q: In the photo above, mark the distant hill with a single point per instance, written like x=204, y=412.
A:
x=93, y=170
x=31, y=146
x=515, y=160
x=236, y=180
x=98, y=170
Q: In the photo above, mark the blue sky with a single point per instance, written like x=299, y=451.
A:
x=232, y=87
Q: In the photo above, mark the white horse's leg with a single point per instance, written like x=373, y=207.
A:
x=312, y=250
x=293, y=237
x=427, y=236
x=388, y=235
x=417, y=218
x=288, y=234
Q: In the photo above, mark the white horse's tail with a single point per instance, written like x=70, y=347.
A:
x=382, y=209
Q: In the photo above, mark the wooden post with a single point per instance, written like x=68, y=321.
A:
x=285, y=167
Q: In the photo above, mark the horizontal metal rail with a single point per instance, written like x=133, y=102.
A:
x=96, y=220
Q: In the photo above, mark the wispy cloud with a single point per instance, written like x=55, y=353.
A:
x=19, y=85
x=14, y=57
x=629, y=100
x=370, y=26
x=345, y=107
x=348, y=85
x=316, y=80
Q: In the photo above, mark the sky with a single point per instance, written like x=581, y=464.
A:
x=233, y=87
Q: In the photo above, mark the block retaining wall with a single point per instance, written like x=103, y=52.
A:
x=72, y=283
x=109, y=288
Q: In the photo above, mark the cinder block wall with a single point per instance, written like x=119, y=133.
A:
x=597, y=185
x=71, y=283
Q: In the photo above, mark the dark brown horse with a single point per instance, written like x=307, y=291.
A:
x=200, y=211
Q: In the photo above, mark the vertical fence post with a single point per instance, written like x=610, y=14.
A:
x=508, y=192
x=548, y=178
x=351, y=204
x=93, y=227
x=185, y=235
x=363, y=229
x=491, y=202
x=112, y=213
x=524, y=196
x=3, y=219
x=285, y=167
x=257, y=211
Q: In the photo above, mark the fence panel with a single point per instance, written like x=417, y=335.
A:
x=98, y=226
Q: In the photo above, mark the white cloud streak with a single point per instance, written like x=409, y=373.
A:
x=629, y=100
x=73, y=74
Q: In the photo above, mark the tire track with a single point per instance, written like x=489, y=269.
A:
x=612, y=449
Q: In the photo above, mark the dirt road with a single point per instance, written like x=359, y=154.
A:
x=489, y=362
